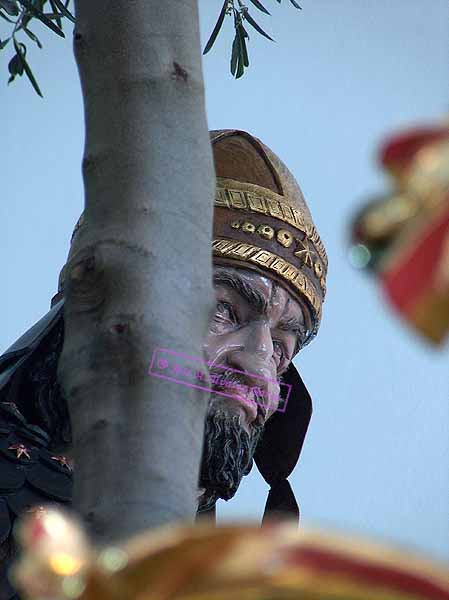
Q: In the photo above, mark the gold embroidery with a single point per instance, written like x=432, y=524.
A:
x=248, y=227
x=220, y=198
x=237, y=199
x=304, y=252
x=266, y=232
x=288, y=214
x=268, y=203
x=263, y=257
x=269, y=260
x=256, y=203
x=274, y=208
x=323, y=286
x=285, y=238
x=244, y=250
x=299, y=220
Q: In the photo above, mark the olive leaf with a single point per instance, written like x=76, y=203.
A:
x=239, y=57
x=55, y=10
x=239, y=52
x=33, y=37
x=6, y=18
x=234, y=54
x=260, y=6
x=217, y=27
x=63, y=10
x=244, y=52
x=15, y=67
x=21, y=52
x=10, y=7
x=59, y=11
x=45, y=18
x=257, y=27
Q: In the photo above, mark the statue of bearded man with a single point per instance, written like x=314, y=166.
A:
x=270, y=280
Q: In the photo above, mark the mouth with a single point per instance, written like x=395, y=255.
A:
x=255, y=413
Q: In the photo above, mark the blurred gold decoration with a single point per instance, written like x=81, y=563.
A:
x=207, y=563
x=404, y=237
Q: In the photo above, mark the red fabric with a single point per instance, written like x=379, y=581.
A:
x=409, y=278
x=368, y=573
x=398, y=151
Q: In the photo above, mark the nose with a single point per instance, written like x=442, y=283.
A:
x=253, y=355
x=255, y=349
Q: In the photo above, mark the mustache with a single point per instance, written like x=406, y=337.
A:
x=224, y=379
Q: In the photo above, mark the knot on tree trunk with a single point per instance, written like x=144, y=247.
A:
x=85, y=281
x=79, y=43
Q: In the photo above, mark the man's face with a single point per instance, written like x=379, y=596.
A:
x=255, y=332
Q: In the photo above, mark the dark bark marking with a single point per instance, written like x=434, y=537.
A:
x=88, y=164
x=179, y=72
x=121, y=328
x=79, y=43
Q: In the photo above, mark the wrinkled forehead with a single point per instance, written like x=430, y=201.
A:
x=279, y=301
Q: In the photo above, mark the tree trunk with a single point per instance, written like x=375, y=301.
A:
x=139, y=271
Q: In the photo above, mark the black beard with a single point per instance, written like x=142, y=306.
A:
x=228, y=451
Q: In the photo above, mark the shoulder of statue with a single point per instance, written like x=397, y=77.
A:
x=13, y=361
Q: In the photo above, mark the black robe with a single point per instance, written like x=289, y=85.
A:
x=35, y=430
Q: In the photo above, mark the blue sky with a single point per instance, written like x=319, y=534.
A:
x=338, y=79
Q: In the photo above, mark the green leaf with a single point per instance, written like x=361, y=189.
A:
x=235, y=54
x=63, y=10
x=260, y=6
x=26, y=67
x=4, y=43
x=53, y=16
x=295, y=4
x=245, y=33
x=257, y=27
x=242, y=43
x=240, y=68
x=10, y=7
x=217, y=28
x=45, y=18
x=33, y=37
x=15, y=66
x=26, y=18
x=55, y=10
x=6, y=18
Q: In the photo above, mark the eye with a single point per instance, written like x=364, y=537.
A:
x=225, y=312
x=279, y=349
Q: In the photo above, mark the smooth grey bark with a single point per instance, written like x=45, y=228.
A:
x=139, y=271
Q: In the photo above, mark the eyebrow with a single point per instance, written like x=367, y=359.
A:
x=293, y=325
x=252, y=296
